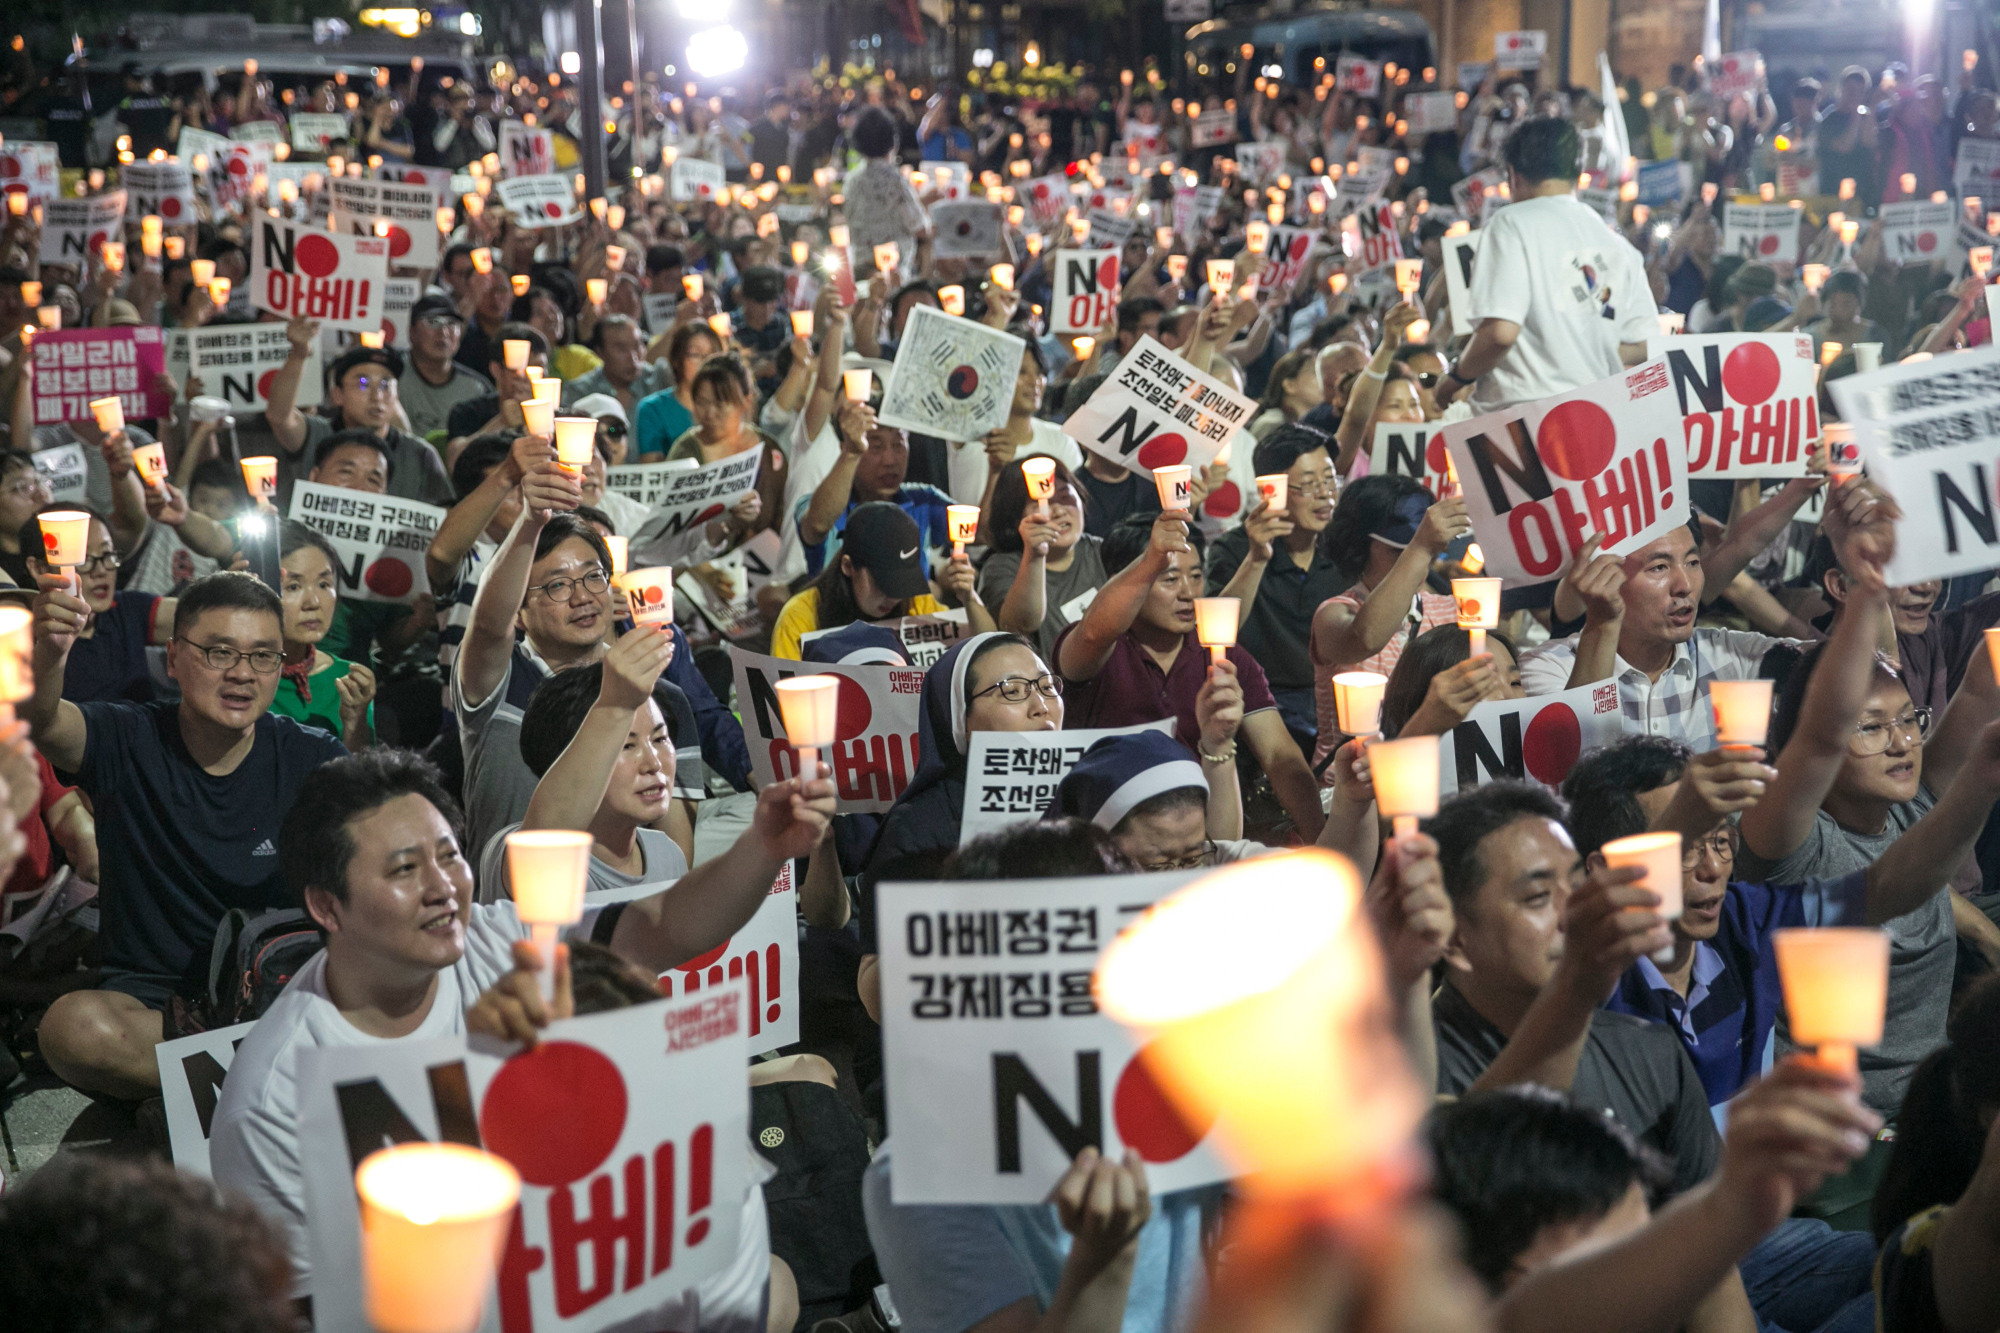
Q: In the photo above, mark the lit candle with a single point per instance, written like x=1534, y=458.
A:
x=1980, y=257
x=1829, y=352
x=1256, y=235
x=218, y=292
x=1215, y=622
x=1040, y=476
x=1908, y=182
x=621, y=553
x=802, y=323
x=576, y=441
x=595, y=290
x=113, y=255
x=31, y=293
x=260, y=479
x=1274, y=487
x=482, y=260
x=514, y=353
x=1409, y=276
x=1003, y=276
x=1742, y=711
x=810, y=707
x=1848, y=231
x=963, y=521
x=1163, y=238
x=1357, y=701
x=1176, y=487
x=1406, y=780
x=800, y=252
x=151, y=461
x=1478, y=608
x=434, y=1219
x=110, y=414
x=1993, y=652
x=203, y=271
x=1221, y=275
x=49, y=316
x=538, y=417
x=1419, y=331
x=859, y=383
x=614, y=255
x=1176, y=268
x=1847, y=187
x=1084, y=345
x=952, y=298
x=17, y=204
x=836, y=234
x=1658, y=855
x=17, y=658
x=649, y=595
x=65, y=542
x=1814, y=276
x=371, y=338
x=1836, y=983
x=549, y=870
x=887, y=258
x=722, y=325
x=1843, y=456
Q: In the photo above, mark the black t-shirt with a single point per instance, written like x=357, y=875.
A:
x=471, y=414
x=771, y=145
x=68, y=120
x=111, y=663
x=180, y=847
x=1108, y=502
x=1279, y=625
x=148, y=117
x=1635, y=1071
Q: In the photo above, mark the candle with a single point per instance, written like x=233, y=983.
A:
x=1742, y=711
x=649, y=595
x=621, y=552
x=434, y=1219
x=800, y=252
x=1040, y=475
x=1867, y=357
x=1357, y=701
x=802, y=323
x=837, y=235
x=614, y=255
x=260, y=478
x=151, y=460
x=1176, y=268
x=1659, y=856
x=1908, y=182
x=218, y=292
x=17, y=204
x=65, y=542
x=371, y=338
x=576, y=441
x=1829, y=352
x=596, y=289
x=1836, y=983
x=887, y=258
x=1993, y=652
x=1847, y=187
x=1176, y=486
x=203, y=271
x=514, y=353
x=1003, y=276
x=1221, y=275
x=1406, y=780
x=720, y=322
x=1848, y=231
x=810, y=707
x=1274, y=488
x=1163, y=238
x=1215, y=622
x=110, y=414
x=1293, y=1060
x=1843, y=456
x=31, y=293
x=482, y=260
x=693, y=285
x=1980, y=257
x=1256, y=235
x=1084, y=345
x=49, y=316
x=1419, y=331
x=538, y=416
x=1478, y=608
x=1814, y=276
x=113, y=255
x=548, y=870
x=858, y=383
x=963, y=522
x=952, y=298
x=1409, y=276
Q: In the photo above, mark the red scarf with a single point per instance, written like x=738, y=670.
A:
x=298, y=673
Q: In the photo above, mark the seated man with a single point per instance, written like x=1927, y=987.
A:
x=1134, y=658
x=372, y=850
x=188, y=796
x=874, y=464
x=361, y=393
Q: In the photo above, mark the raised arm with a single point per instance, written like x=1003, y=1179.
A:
x=57, y=724
x=569, y=794
x=830, y=498
x=288, y=424
x=1922, y=861
x=489, y=639
x=1367, y=390
x=826, y=391
x=465, y=522
x=1344, y=634
x=1750, y=533
x=1086, y=649
x=1026, y=605
x=1218, y=713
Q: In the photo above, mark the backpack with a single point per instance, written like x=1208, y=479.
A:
x=255, y=955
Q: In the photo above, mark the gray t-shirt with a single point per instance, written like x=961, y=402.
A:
x=1084, y=575
x=1923, y=946
x=416, y=472
x=429, y=405
x=662, y=860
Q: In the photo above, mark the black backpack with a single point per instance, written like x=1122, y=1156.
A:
x=255, y=955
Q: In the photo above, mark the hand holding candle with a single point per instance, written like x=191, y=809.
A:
x=1742, y=710
x=1406, y=777
x=963, y=521
x=1040, y=475
x=1478, y=608
x=576, y=441
x=1176, y=486
x=548, y=870
x=1215, y=624
x=1659, y=856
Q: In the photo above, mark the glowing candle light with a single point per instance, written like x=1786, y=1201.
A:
x=1742, y=711
x=621, y=554
x=548, y=870
x=1003, y=276
x=514, y=353
x=1273, y=487
x=260, y=479
x=434, y=1219
x=649, y=595
x=1406, y=780
x=1215, y=623
x=802, y=323
x=1659, y=856
x=17, y=658
x=1176, y=487
x=1357, y=701
x=1836, y=983
x=110, y=414
x=1814, y=276
x=538, y=417
x=952, y=298
x=963, y=522
x=1478, y=608
x=576, y=441
x=858, y=383
x=1040, y=476
x=810, y=707
x=65, y=542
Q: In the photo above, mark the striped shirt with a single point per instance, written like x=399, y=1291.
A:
x=1676, y=704
x=454, y=603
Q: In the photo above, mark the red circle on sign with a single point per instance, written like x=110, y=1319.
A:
x=170, y=207
x=399, y=242
x=558, y=1083
x=962, y=383
x=1223, y=501
x=1163, y=451
x=713, y=511
x=1577, y=439
x=10, y=166
x=316, y=256
x=1750, y=373
x=1927, y=242
x=389, y=578
x=239, y=166
x=1107, y=272
x=854, y=712
x=1552, y=743
x=1768, y=245
x=1147, y=1119
x=1434, y=454
x=264, y=384
x=552, y=208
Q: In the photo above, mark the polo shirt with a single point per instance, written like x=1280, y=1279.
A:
x=1632, y=1071
x=429, y=406
x=926, y=504
x=1277, y=623
x=1131, y=688
x=1731, y=1009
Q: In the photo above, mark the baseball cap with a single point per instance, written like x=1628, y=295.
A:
x=435, y=304
x=762, y=283
x=599, y=405
x=388, y=358
x=1398, y=527
x=884, y=540
x=122, y=314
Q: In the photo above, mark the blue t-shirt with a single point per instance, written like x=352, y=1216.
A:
x=1731, y=1008
x=111, y=663
x=920, y=500
x=658, y=421
x=180, y=847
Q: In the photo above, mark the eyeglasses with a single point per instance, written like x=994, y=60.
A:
x=375, y=384
x=612, y=429
x=1872, y=738
x=102, y=563
x=1203, y=856
x=1016, y=689
x=1317, y=487
x=1721, y=844
x=221, y=657
x=558, y=590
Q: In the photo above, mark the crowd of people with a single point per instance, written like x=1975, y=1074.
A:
x=217, y=719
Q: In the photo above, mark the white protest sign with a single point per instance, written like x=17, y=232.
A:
x=191, y=1073
x=1929, y=434
x=31, y=168
x=435, y=179
x=1213, y=129
x=1520, y=50
x=297, y=270
x=1048, y=196
x=946, y=180
x=1432, y=113
x=1260, y=163
x=659, y=310
x=359, y=206
x=1604, y=203
x=1917, y=232
x=163, y=189
x=1155, y=410
x=1538, y=738
x=236, y=363
x=1011, y=776
x=1541, y=478
x=401, y=296
x=258, y=131
x=1767, y=233
x=924, y=638
x=228, y=170
x=1284, y=258
x=1085, y=294
x=1410, y=449
x=74, y=230
x=1374, y=244
x=380, y=539
x=998, y=1065
x=539, y=201
x=1110, y=227
x=875, y=752
x=63, y=470
x=1736, y=73
x=1749, y=402
x=526, y=151
x=653, y=1108
x=1461, y=253
x=1142, y=138
x=317, y=131
x=692, y=178
x=685, y=497
x=968, y=229
x=1358, y=75
x=1976, y=170
x=952, y=378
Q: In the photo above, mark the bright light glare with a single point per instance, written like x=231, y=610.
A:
x=572, y=63
x=717, y=51
x=703, y=11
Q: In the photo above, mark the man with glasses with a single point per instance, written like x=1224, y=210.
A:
x=360, y=395
x=436, y=382
x=189, y=796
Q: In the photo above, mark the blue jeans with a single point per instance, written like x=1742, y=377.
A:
x=1805, y=1277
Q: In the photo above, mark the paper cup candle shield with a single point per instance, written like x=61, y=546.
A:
x=649, y=595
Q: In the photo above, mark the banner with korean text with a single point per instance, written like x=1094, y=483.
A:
x=1749, y=402
x=684, y=497
x=1155, y=410
x=874, y=753
x=381, y=540
x=1086, y=290
x=73, y=366
x=1011, y=776
x=297, y=270
x=1538, y=738
x=236, y=363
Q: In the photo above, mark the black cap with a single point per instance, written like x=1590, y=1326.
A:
x=435, y=304
x=762, y=283
x=388, y=358
x=884, y=540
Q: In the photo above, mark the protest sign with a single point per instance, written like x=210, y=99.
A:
x=380, y=539
x=1213, y=129
x=1736, y=74
x=1374, y=243
x=317, y=131
x=65, y=472
x=31, y=168
x=1155, y=410
x=1358, y=75
x=659, y=310
x=1359, y=189
x=875, y=752
x=684, y=497
x=75, y=230
x=653, y=1107
x=539, y=201
x=952, y=378
x=1767, y=233
x=258, y=132
x=946, y=181
x=1976, y=170
x=1410, y=449
x=998, y=1065
x=1431, y=113
x=968, y=229
x=1538, y=738
x=724, y=590
x=1260, y=163
x=1284, y=259
x=1461, y=254
x=1798, y=173
x=359, y=207
x=296, y=270
x=692, y=178
x=526, y=151
x=1048, y=196
x=435, y=179
x=1749, y=402
x=1604, y=203
x=924, y=638
x=1663, y=183
x=1541, y=478
x=225, y=169
x=1471, y=193
x=1929, y=434
x=1917, y=232
x=1520, y=50
x=1110, y=227
x=163, y=189
x=236, y=363
x=399, y=296
x=1142, y=138
x=1472, y=73
x=191, y=1073
x=1011, y=776
x=73, y=366
x=1086, y=290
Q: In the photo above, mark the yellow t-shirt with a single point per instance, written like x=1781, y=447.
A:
x=801, y=617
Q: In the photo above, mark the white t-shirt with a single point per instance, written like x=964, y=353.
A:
x=968, y=459
x=254, y=1147
x=1576, y=288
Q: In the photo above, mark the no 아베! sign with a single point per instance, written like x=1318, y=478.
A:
x=874, y=753
x=337, y=280
x=1086, y=290
x=1749, y=402
x=1542, y=478
x=1538, y=738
